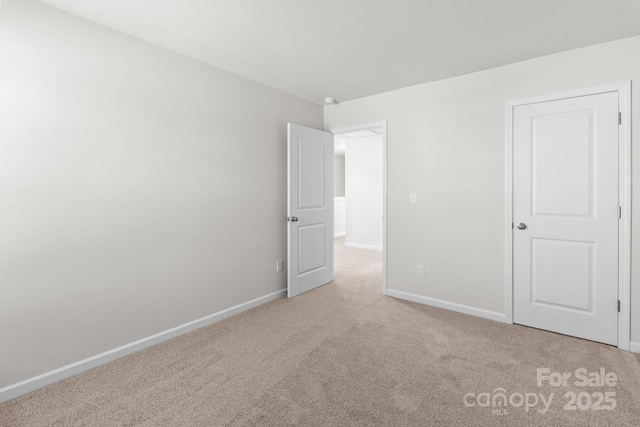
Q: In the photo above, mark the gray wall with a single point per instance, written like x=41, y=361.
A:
x=338, y=175
x=446, y=143
x=140, y=189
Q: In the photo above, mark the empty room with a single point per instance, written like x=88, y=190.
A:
x=319, y=213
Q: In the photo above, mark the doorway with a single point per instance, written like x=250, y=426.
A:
x=568, y=213
x=360, y=189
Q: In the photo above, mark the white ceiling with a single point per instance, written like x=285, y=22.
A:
x=349, y=49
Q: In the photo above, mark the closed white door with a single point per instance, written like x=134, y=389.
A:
x=565, y=210
x=310, y=209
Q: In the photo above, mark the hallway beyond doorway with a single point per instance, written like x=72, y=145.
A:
x=357, y=267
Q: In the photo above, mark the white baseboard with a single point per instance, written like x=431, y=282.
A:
x=479, y=312
x=359, y=246
x=48, y=378
x=339, y=234
x=634, y=347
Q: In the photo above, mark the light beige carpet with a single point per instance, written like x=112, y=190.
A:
x=343, y=355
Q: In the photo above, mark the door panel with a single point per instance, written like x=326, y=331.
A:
x=554, y=285
x=565, y=190
x=310, y=209
x=311, y=248
x=562, y=164
x=311, y=170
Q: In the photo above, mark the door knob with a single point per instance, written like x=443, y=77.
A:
x=521, y=226
x=293, y=219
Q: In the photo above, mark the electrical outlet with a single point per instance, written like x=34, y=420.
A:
x=420, y=270
x=278, y=266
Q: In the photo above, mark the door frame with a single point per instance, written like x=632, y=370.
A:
x=624, y=196
x=366, y=126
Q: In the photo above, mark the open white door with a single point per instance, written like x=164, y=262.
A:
x=309, y=209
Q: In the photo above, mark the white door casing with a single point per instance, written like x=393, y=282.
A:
x=309, y=209
x=572, y=251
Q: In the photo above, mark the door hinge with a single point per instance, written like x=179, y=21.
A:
x=618, y=306
x=511, y=225
x=619, y=212
x=619, y=118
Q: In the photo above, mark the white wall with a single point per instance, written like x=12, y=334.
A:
x=446, y=143
x=363, y=191
x=140, y=189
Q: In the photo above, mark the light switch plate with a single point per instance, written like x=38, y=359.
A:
x=413, y=198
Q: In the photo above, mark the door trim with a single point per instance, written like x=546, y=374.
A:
x=383, y=125
x=624, y=179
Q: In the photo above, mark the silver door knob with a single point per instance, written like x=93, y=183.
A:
x=293, y=219
x=521, y=226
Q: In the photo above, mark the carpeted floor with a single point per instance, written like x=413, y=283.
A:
x=344, y=355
